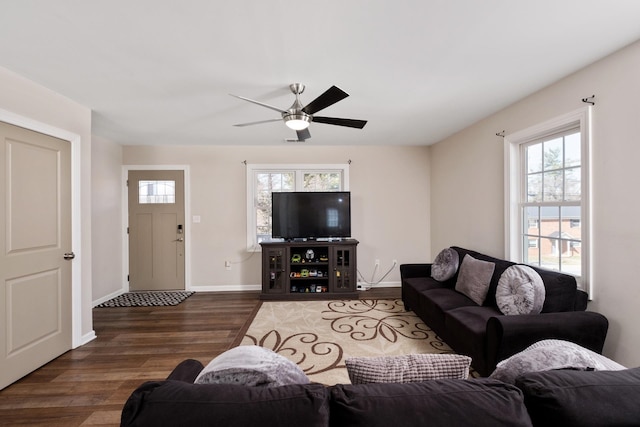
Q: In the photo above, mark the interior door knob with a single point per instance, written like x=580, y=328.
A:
x=69, y=255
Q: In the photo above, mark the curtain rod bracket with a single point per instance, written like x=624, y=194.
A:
x=589, y=100
x=500, y=134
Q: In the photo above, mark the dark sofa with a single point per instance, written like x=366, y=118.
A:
x=483, y=332
x=564, y=398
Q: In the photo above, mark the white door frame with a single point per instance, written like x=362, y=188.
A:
x=187, y=220
x=76, y=213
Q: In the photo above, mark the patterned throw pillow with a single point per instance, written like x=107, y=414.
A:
x=407, y=368
x=252, y=365
x=520, y=291
x=474, y=278
x=445, y=265
x=535, y=358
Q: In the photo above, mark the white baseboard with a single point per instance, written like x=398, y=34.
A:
x=224, y=288
x=86, y=338
x=108, y=297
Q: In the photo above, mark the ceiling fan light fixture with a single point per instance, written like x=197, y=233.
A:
x=297, y=121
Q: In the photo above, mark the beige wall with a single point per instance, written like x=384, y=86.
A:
x=390, y=205
x=467, y=179
x=49, y=111
x=106, y=188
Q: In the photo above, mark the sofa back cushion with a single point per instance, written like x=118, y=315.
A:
x=582, y=399
x=500, y=266
x=561, y=290
x=179, y=403
x=446, y=403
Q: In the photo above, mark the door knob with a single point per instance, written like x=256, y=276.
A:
x=69, y=255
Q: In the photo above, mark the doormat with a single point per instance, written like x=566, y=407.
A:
x=147, y=299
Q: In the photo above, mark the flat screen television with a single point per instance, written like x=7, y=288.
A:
x=311, y=215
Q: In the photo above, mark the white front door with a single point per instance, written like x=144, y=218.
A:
x=35, y=263
x=156, y=230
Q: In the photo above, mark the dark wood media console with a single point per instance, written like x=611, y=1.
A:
x=309, y=270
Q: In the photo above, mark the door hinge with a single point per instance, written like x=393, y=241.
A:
x=128, y=278
x=127, y=230
x=127, y=183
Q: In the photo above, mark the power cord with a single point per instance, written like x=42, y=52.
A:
x=372, y=283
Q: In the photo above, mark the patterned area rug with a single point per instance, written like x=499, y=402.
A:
x=319, y=335
x=147, y=299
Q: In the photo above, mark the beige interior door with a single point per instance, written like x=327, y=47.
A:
x=156, y=230
x=35, y=261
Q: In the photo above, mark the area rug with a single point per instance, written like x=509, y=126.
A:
x=147, y=299
x=320, y=335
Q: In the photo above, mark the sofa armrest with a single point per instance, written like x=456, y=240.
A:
x=187, y=371
x=508, y=335
x=414, y=270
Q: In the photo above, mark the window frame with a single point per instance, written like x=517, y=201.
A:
x=514, y=185
x=299, y=169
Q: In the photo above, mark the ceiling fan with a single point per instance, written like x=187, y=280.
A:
x=298, y=117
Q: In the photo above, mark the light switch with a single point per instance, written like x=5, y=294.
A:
x=196, y=219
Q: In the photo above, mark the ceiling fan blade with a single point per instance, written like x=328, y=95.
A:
x=352, y=123
x=303, y=134
x=330, y=97
x=279, y=110
x=259, y=122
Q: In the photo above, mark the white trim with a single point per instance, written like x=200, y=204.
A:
x=252, y=245
x=187, y=220
x=512, y=143
x=108, y=297
x=76, y=213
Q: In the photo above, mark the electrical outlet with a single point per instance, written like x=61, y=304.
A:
x=227, y=265
x=377, y=263
x=395, y=262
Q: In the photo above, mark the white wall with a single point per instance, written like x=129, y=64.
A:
x=390, y=205
x=467, y=178
x=25, y=99
x=106, y=188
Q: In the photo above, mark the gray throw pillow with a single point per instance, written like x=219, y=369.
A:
x=445, y=265
x=520, y=291
x=407, y=368
x=474, y=278
x=562, y=355
x=251, y=365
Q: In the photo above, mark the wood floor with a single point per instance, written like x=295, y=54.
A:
x=89, y=385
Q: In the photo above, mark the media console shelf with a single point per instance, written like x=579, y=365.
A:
x=309, y=270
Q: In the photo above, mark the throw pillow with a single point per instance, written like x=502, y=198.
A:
x=252, y=365
x=474, y=278
x=603, y=363
x=520, y=291
x=445, y=265
x=543, y=358
x=407, y=368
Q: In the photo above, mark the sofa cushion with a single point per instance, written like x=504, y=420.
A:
x=436, y=302
x=467, y=328
x=178, y=403
x=445, y=403
x=407, y=368
x=582, y=399
x=424, y=283
x=446, y=264
x=562, y=355
x=251, y=365
x=520, y=291
x=474, y=278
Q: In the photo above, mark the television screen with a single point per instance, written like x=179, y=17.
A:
x=311, y=215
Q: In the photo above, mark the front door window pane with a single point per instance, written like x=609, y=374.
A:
x=158, y=192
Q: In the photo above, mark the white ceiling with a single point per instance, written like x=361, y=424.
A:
x=160, y=71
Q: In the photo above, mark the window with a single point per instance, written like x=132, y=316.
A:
x=262, y=180
x=162, y=192
x=547, y=213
